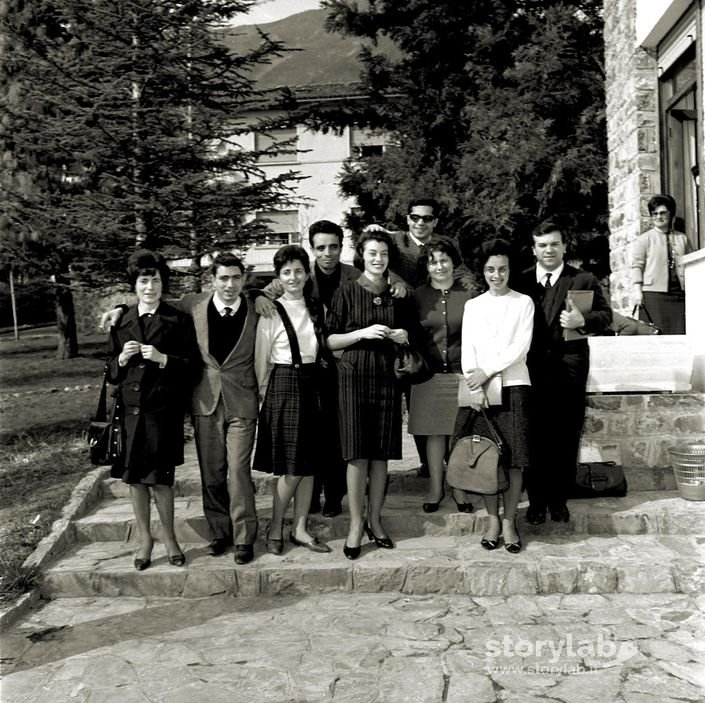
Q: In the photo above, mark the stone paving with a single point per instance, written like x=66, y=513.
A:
x=379, y=648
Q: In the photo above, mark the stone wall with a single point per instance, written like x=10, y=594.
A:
x=632, y=140
x=636, y=430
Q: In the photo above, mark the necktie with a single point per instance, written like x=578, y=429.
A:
x=547, y=284
x=227, y=311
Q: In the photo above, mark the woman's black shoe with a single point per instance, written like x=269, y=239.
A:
x=433, y=507
x=382, y=542
x=351, y=552
x=177, y=559
x=463, y=507
x=142, y=564
x=489, y=544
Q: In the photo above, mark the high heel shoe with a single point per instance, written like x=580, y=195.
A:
x=490, y=544
x=433, y=507
x=351, y=552
x=513, y=547
x=177, y=559
x=272, y=544
x=382, y=542
x=141, y=564
x=462, y=507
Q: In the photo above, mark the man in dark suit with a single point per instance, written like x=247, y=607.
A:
x=224, y=406
x=559, y=370
x=327, y=275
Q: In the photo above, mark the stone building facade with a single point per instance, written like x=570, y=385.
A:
x=654, y=110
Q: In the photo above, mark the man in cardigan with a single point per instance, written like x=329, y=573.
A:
x=224, y=406
x=558, y=369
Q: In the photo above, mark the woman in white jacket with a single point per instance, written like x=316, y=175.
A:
x=496, y=335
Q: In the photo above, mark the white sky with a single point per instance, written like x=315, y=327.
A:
x=272, y=10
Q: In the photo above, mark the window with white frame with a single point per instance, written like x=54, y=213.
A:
x=284, y=225
x=365, y=142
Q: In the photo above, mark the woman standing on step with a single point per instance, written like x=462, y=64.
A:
x=496, y=335
x=367, y=323
x=434, y=404
x=288, y=354
x=152, y=359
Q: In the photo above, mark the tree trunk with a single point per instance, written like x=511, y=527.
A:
x=67, y=347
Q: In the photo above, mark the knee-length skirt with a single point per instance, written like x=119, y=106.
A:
x=434, y=405
x=290, y=423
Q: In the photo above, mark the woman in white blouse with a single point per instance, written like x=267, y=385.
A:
x=496, y=335
x=287, y=355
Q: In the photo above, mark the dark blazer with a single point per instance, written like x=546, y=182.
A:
x=548, y=345
x=155, y=399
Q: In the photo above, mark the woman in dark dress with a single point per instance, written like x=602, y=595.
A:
x=367, y=323
x=152, y=358
x=287, y=362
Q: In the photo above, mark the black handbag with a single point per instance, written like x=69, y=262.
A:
x=599, y=479
x=410, y=365
x=643, y=327
x=475, y=464
x=106, y=434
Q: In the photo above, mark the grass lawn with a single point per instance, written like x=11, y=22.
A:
x=45, y=407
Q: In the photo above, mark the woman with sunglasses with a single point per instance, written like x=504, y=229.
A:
x=368, y=324
x=657, y=273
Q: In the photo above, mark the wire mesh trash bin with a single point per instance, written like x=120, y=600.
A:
x=689, y=467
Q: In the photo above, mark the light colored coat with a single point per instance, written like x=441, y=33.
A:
x=650, y=259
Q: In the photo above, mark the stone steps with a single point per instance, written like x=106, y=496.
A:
x=646, y=512
x=549, y=564
x=401, y=480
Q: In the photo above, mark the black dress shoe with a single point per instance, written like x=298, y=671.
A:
x=244, y=553
x=560, y=513
x=219, y=545
x=332, y=509
x=382, y=542
x=489, y=544
x=272, y=545
x=351, y=552
x=142, y=564
x=535, y=515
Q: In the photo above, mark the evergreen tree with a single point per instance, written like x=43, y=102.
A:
x=124, y=127
x=495, y=107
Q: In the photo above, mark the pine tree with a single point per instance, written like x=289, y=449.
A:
x=127, y=119
x=496, y=108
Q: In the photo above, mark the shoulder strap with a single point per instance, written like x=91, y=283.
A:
x=493, y=430
x=289, y=329
x=101, y=413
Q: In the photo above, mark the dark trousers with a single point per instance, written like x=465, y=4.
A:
x=558, y=413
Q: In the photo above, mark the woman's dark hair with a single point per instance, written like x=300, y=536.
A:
x=496, y=247
x=144, y=262
x=288, y=253
x=377, y=236
x=666, y=200
x=442, y=245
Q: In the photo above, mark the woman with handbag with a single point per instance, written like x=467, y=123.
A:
x=153, y=357
x=288, y=351
x=657, y=271
x=434, y=404
x=496, y=335
x=368, y=324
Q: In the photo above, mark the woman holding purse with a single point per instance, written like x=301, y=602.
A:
x=496, y=335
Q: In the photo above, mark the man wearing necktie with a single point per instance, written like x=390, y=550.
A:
x=558, y=370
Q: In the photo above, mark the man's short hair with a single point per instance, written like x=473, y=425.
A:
x=226, y=259
x=424, y=202
x=324, y=227
x=547, y=227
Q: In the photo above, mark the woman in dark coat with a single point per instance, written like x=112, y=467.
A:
x=152, y=359
x=368, y=324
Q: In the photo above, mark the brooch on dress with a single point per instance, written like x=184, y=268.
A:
x=377, y=300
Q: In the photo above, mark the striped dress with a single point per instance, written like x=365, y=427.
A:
x=369, y=396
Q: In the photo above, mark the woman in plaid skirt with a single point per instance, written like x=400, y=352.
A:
x=367, y=323
x=287, y=355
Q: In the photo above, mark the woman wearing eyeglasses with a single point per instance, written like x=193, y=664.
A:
x=367, y=323
x=657, y=273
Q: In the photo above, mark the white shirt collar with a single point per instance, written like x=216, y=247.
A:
x=219, y=304
x=541, y=273
x=143, y=310
x=416, y=241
